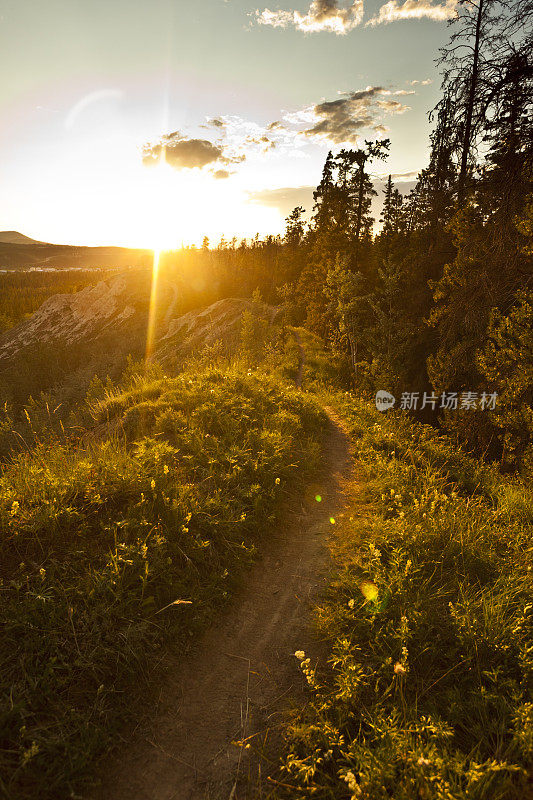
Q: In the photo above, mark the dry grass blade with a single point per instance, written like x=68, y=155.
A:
x=175, y=603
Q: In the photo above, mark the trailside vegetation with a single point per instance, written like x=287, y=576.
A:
x=128, y=540
x=428, y=624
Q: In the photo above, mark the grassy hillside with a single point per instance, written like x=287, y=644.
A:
x=429, y=623
x=164, y=499
x=164, y=502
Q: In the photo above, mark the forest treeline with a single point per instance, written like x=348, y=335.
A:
x=21, y=293
x=439, y=301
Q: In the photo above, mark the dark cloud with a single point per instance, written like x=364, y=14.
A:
x=340, y=121
x=221, y=174
x=216, y=122
x=182, y=152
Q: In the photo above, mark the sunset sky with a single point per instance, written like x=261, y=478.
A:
x=244, y=99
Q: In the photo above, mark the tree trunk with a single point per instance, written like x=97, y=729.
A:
x=461, y=188
x=359, y=210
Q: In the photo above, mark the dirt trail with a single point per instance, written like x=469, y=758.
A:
x=235, y=684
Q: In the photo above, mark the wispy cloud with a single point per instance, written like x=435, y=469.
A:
x=323, y=15
x=336, y=16
x=399, y=177
x=396, y=10
x=399, y=92
x=285, y=198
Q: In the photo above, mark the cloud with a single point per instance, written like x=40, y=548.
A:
x=392, y=106
x=333, y=16
x=396, y=10
x=399, y=92
x=400, y=177
x=182, y=152
x=285, y=198
x=243, y=136
x=232, y=139
x=341, y=121
x=263, y=142
x=420, y=83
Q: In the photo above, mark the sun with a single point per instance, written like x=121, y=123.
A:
x=163, y=227
x=185, y=205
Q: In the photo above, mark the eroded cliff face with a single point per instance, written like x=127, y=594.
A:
x=73, y=336
x=221, y=321
x=111, y=306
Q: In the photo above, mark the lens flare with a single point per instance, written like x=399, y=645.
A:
x=152, y=313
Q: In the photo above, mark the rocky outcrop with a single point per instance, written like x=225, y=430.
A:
x=71, y=318
x=220, y=321
x=73, y=336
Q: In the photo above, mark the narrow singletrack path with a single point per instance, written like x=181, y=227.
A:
x=235, y=684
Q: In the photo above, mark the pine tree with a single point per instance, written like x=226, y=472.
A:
x=386, y=213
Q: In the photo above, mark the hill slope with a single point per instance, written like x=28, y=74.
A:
x=14, y=237
x=73, y=336
x=20, y=252
x=114, y=547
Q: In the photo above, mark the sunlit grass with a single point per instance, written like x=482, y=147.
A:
x=166, y=499
x=430, y=626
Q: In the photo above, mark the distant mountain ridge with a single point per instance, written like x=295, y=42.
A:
x=14, y=237
x=18, y=251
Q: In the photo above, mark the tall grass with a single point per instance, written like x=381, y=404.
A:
x=165, y=500
x=429, y=619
